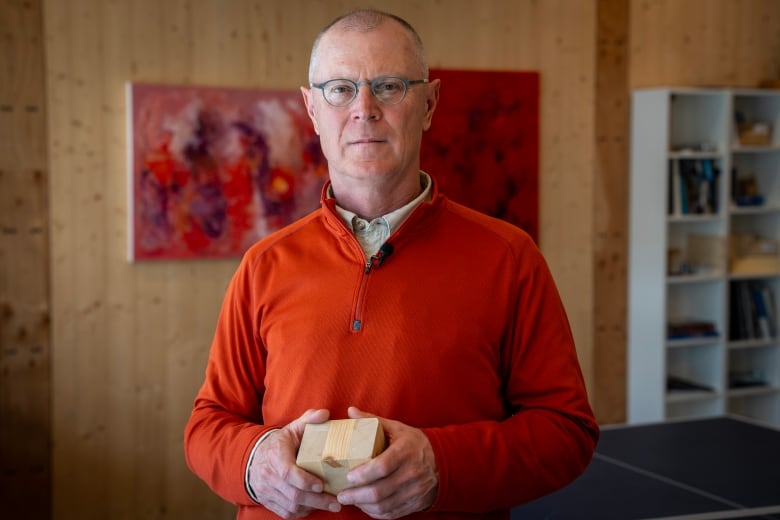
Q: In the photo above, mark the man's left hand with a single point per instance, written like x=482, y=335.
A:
x=399, y=481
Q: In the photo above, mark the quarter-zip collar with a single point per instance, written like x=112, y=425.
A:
x=373, y=234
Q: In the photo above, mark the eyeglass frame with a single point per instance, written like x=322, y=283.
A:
x=406, y=82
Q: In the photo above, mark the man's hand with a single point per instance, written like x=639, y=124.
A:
x=278, y=483
x=399, y=481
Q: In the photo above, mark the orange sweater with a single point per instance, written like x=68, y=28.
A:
x=460, y=332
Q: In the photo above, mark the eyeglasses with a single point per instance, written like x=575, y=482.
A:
x=388, y=90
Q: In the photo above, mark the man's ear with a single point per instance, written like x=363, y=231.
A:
x=308, y=101
x=430, y=102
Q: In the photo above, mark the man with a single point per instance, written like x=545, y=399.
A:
x=390, y=301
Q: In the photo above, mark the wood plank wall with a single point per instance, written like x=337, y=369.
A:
x=129, y=342
x=610, y=196
x=24, y=266
x=704, y=42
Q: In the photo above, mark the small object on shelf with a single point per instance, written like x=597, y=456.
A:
x=702, y=147
x=755, y=133
x=752, y=254
x=704, y=254
x=691, y=329
x=680, y=383
x=747, y=378
x=749, y=200
x=746, y=191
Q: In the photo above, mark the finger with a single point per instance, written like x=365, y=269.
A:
x=303, y=480
x=380, y=467
x=356, y=413
x=309, y=416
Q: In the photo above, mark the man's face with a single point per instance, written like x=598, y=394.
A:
x=368, y=138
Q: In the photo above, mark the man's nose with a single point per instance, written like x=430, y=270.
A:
x=365, y=105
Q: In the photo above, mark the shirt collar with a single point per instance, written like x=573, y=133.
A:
x=396, y=217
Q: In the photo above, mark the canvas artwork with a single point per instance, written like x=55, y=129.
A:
x=483, y=146
x=212, y=170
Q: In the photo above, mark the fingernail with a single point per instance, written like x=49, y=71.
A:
x=334, y=508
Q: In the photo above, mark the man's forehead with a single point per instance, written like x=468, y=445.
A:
x=384, y=45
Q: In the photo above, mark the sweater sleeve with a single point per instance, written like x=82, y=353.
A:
x=549, y=434
x=226, y=419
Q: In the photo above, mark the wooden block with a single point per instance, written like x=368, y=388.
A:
x=330, y=449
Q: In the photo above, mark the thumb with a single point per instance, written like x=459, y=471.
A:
x=356, y=413
x=309, y=416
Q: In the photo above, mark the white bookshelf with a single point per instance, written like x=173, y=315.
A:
x=681, y=267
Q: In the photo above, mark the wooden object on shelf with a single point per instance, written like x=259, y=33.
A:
x=751, y=254
x=755, y=134
x=330, y=449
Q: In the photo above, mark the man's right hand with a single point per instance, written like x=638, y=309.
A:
x=278, y=483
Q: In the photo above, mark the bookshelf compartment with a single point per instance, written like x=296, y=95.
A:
x=695, y=249
x=756, y=112
x=754, y=369
x=755, y=181
x=695, y=185
x=754, y=244
x=695, y=303
x=693, y=371
x=698, y=122
x=753, y=311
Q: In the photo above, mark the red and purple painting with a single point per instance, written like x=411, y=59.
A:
x=483, y=146
x=212, y=170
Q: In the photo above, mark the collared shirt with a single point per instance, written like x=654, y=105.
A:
x=371, y=235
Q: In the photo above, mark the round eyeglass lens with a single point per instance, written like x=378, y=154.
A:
x=389, y=90
x=339, y=92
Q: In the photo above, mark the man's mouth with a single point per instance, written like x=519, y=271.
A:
x=367, y=140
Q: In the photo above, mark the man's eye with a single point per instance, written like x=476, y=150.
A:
x=341, y=90
x=388, y=86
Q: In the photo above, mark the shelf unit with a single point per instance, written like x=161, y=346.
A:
x=704, y=281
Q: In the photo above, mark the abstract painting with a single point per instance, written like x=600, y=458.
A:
x=483, y=146
x=212, y=170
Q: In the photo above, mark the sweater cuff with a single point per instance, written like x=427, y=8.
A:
x=249, y=490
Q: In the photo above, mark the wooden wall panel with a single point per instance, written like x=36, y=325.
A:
x=610, y=211
x=25, y=466
x=704, y=42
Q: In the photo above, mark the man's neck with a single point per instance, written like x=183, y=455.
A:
x=372, y=200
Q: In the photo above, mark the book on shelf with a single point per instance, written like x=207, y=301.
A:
x=693, y=187
x=753, y=312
